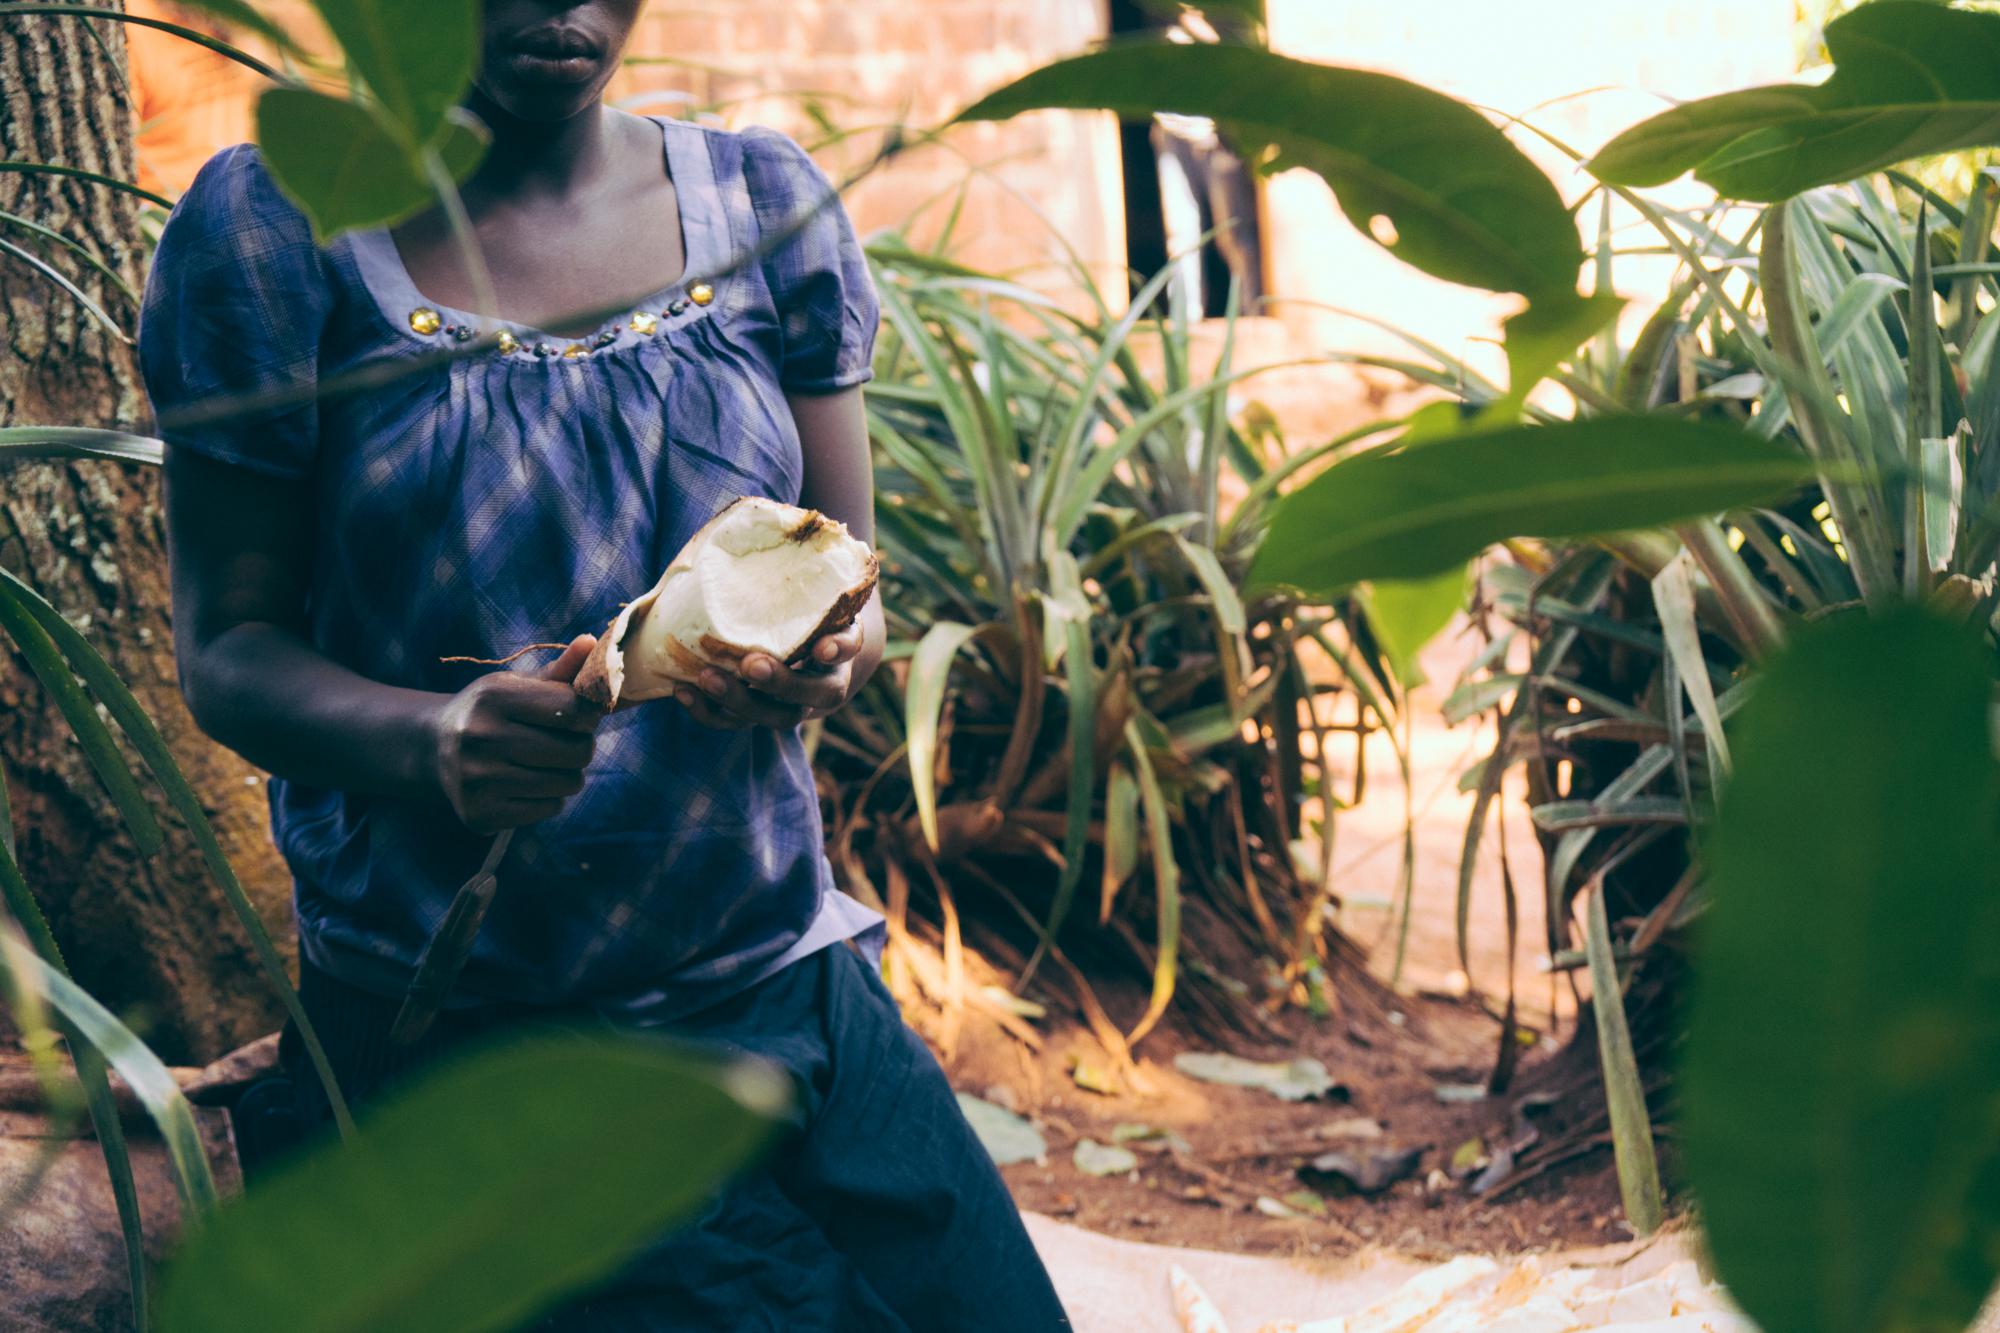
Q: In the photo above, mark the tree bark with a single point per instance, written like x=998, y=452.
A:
x=150, y=937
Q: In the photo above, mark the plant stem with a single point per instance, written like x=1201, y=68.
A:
x=487, y=305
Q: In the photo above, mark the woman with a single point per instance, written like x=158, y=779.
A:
x=667, y=871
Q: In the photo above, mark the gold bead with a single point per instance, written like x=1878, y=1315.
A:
x=508, y=344
x=575, y=351
x=425, y=320
x=643, y=322
x=701, y=293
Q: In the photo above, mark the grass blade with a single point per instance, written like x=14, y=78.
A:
x=930, y=670
x=159, y=760
x=99, y=748
x=26, y=916
x=1624, y=1089
x=20, y=443
x=1166, y=884
x=150, y=1080
x=1673, y=598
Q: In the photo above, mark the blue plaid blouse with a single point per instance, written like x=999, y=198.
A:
x=518, y=496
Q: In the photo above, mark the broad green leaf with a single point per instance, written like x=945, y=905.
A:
x=1910, y=79
x=1426, y=175
x=1624, y=1086
x=338, y=164
x=418, y=60
x=1843, y=1146
x=507, y=1179
x=923, y=695
x=1540, y=337
x=1407, y=615
x=1419, y=512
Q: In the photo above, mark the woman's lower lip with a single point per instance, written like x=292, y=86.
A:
x=554, y=69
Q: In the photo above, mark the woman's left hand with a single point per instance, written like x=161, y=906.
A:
x=767, y=693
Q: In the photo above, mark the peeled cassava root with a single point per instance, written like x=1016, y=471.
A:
x=760, y=577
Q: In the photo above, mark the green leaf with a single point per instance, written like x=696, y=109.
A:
x=27, y=917
x=338, y=164
x=1910, y=79
x=1221, y=592
x=418, y=60
x=20, y=443
x=923, y=704
x=1406, y=616
x=474, y=1199
x=1419, y=512
x=1166, y=885
x=1624, y=1087
x=1673, y=598
x=57, y=278
x=95, y=739
x=1843, y=1145
x=1081, y=673
x=1454, y=196
x=149, y=1079
x=145, y=738
x=1121, y=834
x=84, y=174
x=1540, y=337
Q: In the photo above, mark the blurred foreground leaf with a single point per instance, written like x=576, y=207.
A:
x=343, y=169
x=1843, y=1077
x=492, y=1188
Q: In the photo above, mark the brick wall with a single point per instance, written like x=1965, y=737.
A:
x=866, y=64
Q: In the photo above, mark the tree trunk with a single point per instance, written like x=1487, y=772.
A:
x=151, y=938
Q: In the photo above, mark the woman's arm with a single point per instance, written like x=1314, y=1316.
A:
x=506, y=750
x=839, y=481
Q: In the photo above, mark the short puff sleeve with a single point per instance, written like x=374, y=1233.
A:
x=828, y=310
x=235, y=304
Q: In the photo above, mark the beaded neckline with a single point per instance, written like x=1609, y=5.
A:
x=704, y=237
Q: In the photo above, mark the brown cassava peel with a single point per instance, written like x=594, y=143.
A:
x=760, y=577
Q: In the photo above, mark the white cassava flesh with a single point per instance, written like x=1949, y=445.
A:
x=760, y=577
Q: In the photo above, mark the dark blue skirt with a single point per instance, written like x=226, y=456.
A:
x=879, y=1212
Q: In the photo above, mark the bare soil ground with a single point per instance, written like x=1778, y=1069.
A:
x=1243, y=1145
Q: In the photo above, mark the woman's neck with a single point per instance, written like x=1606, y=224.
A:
x=545, y=158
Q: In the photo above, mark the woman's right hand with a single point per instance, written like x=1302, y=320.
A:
x=511, y=748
